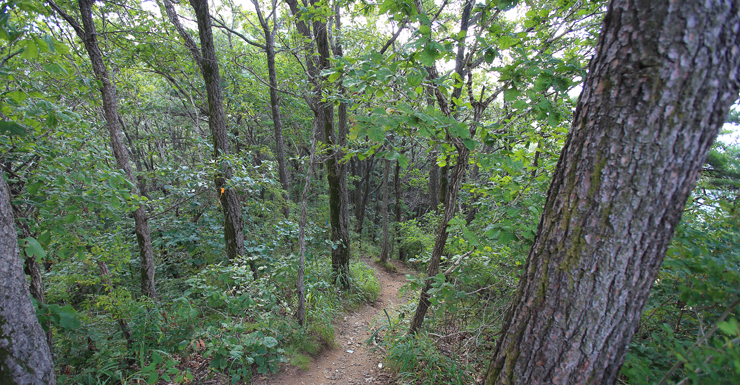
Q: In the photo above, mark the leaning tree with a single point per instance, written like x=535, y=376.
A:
x=659, y=88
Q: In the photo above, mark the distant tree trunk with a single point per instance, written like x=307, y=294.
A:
x=274, y=99
x=658, y=90
x=301, y=311
x=229, y=199
x=535, y=162
x=25, y=357
x=397, y=188
x=443, y=181
x=87, y=34
x=386, y=244
x=433, y=182
x=360, y=210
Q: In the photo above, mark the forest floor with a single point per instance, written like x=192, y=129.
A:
x=351, y=361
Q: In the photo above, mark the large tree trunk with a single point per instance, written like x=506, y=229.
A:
x=336, y=170
x=31, y=266
x=25, y=357
x=386, y=243
x=324, y=116
x=229, y=199
x=87, y=34
x=659, y=88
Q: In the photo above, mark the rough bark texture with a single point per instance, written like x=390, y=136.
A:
x=386, y=241
x=323, y=111
x=87, y=34
x=30, y=265
x=229, y=199
x=659, y=88
x=25, y=357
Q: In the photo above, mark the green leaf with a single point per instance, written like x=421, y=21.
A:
x=403, y=161
x=520, y=105
x=18, y=96
x=70, y=218
x=334, y=76
x=506, y=237
x=428, y=56
x=49, y=40
x=730, y=327
x=34, y=248
x=542, y=83
x=506, y=5
x=51, y=121
x=68, y=318
x=553, y=119
x=11, y=128
x=511, y=94
x=45, y=238
x=490, y=55
x=55, y=69
x=414, y=79
x=31, y=51
x=269, y=342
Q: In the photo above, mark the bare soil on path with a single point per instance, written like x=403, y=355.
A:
x=351, y=361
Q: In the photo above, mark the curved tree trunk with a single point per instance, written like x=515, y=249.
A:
x=659, y=88
x=457, y=172
x=87, y=34
x=456, y=177
x=233, y=220
x=25, y=357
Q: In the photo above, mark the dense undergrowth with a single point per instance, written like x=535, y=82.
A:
x=217, y=320
x=689, y=330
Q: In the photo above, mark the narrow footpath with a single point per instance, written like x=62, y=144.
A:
x=351, y=362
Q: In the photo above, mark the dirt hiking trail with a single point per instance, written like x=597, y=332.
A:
x=351, y=362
